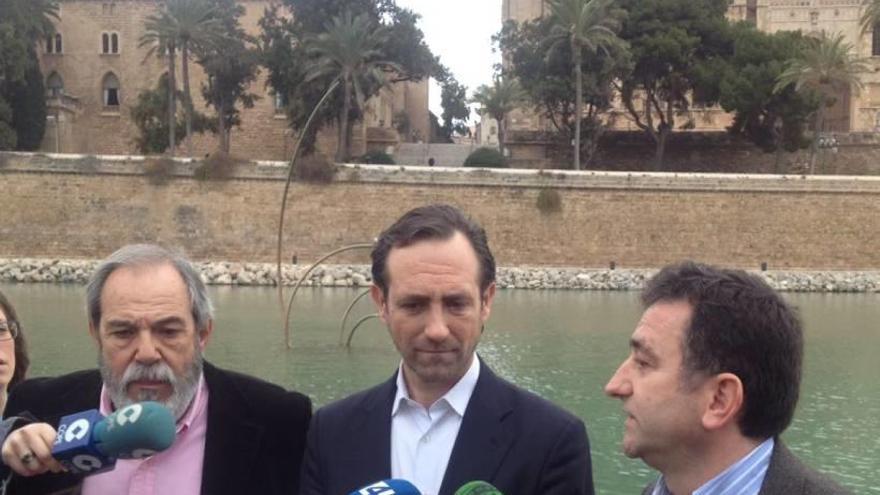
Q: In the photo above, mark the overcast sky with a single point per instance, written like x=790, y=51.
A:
x=460, y=33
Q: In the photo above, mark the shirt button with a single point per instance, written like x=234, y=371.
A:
x=426, y=439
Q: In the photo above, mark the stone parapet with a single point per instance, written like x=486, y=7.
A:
x=32, y=270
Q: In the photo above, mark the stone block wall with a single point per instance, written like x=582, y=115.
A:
x=86, y=207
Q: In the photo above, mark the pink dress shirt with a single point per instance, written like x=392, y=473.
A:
x=177, y=470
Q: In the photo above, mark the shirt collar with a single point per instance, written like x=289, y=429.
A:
x=457, y=397
x=106, y=405
x=758, y=460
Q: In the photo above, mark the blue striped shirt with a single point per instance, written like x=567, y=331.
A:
x=745, y=477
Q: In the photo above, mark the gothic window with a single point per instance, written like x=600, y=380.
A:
x=875, y=41
x=110, y=90
x=109, y=43
x=53, y=43
x=55, y=85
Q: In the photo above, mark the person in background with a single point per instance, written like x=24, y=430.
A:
x=444, y=418
x=711, y=382
x=13, y=350
x=151, y=320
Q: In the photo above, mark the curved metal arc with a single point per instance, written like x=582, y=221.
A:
x=356, y=325
x=304, y=276
x=299, y=142
x=347, y=311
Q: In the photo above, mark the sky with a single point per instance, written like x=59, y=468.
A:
x=460, y=33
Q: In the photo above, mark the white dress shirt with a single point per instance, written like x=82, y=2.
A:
x=422, y=438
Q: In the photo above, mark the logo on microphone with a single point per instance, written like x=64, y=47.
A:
x=77, y=430
x=380, y=488
x=129, y=414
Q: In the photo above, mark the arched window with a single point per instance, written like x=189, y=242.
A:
x=53, y=43
x=55, y=85
x=875, y=41
x=109, y=43
x=110, y=90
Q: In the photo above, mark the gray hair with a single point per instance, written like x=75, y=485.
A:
x=147, y=255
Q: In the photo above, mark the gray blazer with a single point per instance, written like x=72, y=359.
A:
x=787, y=475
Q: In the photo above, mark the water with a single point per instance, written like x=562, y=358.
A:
x=562, y=345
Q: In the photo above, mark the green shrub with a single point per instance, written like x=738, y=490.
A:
x=377, y=158
x=485, y=158
x=158, y=170
x=314, y=168
x=549, y=201
x=217, y=166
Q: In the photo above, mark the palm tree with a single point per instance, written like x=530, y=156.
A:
x=827, y=67
x=585, y=25
x=871, y=16
x=187, y=25
x=498, y=100
x=30, y=17
x=350, y=50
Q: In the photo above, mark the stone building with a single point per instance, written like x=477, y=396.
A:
x=854, y=111
x=95, y=70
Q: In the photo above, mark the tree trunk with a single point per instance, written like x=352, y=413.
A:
x=578, y=103
x=501, y=132
x=661, y=149
x=817, y=132
x=187, y=104
x=342, y=149
x=221, y=128
x=172, y=101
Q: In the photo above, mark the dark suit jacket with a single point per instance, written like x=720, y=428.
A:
x=787, y=475
x=511, y=438
x=254, y=441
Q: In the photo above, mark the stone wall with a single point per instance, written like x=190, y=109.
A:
x=856, y=153
x=85, y=207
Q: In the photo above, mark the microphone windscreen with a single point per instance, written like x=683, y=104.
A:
x=478, y=488
x=136, y=431
x=388, y=487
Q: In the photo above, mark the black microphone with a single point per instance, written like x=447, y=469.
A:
x=478, y=488
x=388, y=487
x=89, y=443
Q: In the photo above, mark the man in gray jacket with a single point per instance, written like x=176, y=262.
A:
x=711, y=382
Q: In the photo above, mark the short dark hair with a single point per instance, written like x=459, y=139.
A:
x=22, y=361
x=431, y=222
x=739, y=325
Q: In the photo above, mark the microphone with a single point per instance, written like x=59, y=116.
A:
x=388, y=487
x=88, y=443
x=478, y=488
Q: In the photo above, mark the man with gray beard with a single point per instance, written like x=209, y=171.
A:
x=151, y=318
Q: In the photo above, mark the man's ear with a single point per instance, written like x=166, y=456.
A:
x=205, y=335
x=93, y=331
x=486, y=302
x=379, y=300
x=725, y=401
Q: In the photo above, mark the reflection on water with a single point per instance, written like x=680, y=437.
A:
x=562, y=345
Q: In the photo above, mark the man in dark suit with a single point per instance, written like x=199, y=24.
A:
x=711, y=383
x=151, y=318
x=444, y=418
